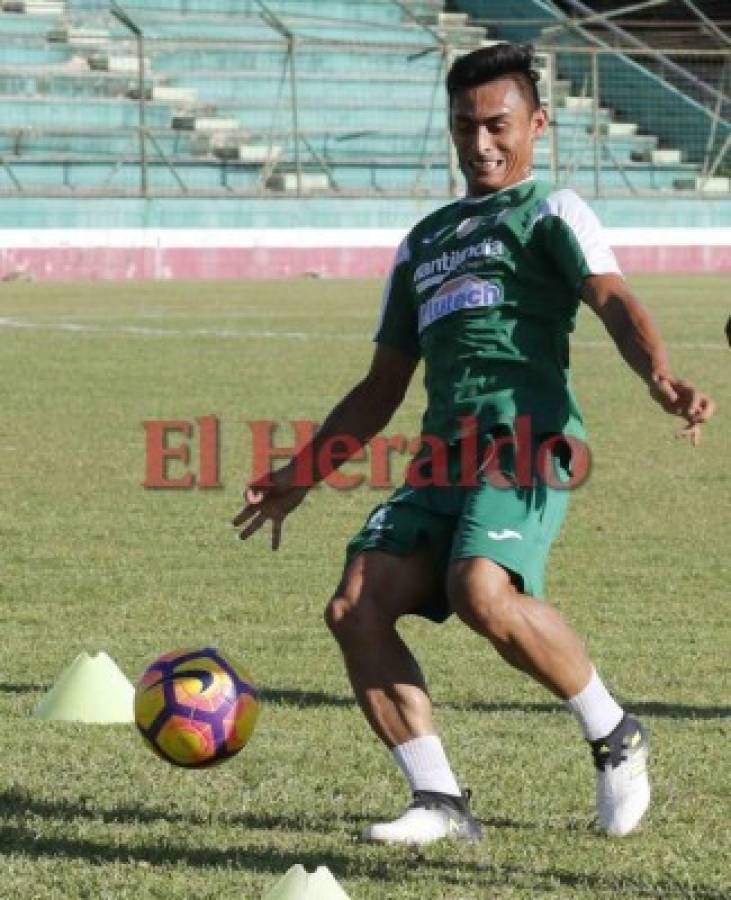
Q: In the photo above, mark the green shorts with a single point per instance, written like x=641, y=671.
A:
x=514, y=527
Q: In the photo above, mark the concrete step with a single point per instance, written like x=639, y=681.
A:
x=572, y=102
x=204, y=123
x=452, y=20
x=254, y=154
x=717, y=185
x=620, y=129
x=171, y=94
x=104, y=62
x=35, y=7
x=286, y=182
x=469, y=36
x=79, y=37
x=664, y=157
x=168, y=93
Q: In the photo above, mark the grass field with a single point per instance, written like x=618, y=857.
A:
x=92, y=560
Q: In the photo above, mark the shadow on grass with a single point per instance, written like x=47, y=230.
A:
x=652, y=708
x=313, y=699
x=303, y=699
x=604, y=885
x=15, y=803
x=392, y=865
x=19, y=803
x=19, y=840
x=29, y=688
x=678, y=710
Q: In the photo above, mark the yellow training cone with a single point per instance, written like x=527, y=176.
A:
x=298, y=884
x=91, y=689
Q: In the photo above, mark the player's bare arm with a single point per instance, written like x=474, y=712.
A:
x=640, y=343
x=362, y=413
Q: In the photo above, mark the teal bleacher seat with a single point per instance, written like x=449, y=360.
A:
x=36, y=26
x=46, y=82
x=365, y=10
x=29, y=143
x=61, y=111
x=272, y=55
x=267, y=85
x=20, y=53
x=371, y=104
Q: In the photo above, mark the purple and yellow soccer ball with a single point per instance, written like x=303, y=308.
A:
x=196, y=707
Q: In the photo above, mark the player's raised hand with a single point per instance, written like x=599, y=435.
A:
x=680, y=398
x=270, y=498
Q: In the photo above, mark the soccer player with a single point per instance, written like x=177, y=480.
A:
x=485, y=290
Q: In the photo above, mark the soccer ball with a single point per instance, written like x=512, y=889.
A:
x=195, y=708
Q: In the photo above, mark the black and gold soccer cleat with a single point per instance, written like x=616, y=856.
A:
x=622, y=785
x=430, y=817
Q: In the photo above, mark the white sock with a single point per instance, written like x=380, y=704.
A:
x=595, y=708
x=425, y=765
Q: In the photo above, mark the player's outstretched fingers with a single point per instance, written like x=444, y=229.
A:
x=276, y=533
x=249, y=510
x=253, y=526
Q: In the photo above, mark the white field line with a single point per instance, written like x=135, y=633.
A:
x=386, y=239
x=145, y=331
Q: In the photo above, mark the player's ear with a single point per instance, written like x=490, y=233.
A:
x=539, y=123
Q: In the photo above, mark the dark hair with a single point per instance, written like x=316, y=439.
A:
x=499, y=60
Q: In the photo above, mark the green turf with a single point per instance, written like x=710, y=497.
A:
x=92, y=560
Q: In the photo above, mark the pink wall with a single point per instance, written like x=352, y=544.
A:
x=89, y=262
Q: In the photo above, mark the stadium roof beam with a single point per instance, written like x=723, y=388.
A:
x=709, y=24
x=600, y=18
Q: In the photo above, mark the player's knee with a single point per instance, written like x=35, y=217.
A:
x=482, y=595
x=351, y=618
x=337, y=613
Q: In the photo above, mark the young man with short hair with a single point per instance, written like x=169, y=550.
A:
x=486, y=291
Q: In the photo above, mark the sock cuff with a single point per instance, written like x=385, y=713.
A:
x=595, y=708
x=425, y=765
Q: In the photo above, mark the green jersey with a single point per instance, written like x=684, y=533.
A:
x=486, y=290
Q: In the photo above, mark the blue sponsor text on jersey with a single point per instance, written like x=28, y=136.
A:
x=435, y=270
x=461, y=293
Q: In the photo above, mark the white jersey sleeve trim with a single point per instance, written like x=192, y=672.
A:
x=586, y=227
x=402, y=255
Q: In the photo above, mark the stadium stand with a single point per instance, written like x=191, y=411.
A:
x=286, y=137
x=369, y=100
x=370, y=107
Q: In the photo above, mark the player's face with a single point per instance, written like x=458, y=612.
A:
x=493, y=129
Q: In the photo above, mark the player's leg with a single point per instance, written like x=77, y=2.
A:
x=396, y=566
x=501, y=545
x=529, y=634
x=376, y=589
x=533, y=637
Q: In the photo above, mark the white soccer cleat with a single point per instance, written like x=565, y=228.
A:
x=430, y=817
x=622, y=785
